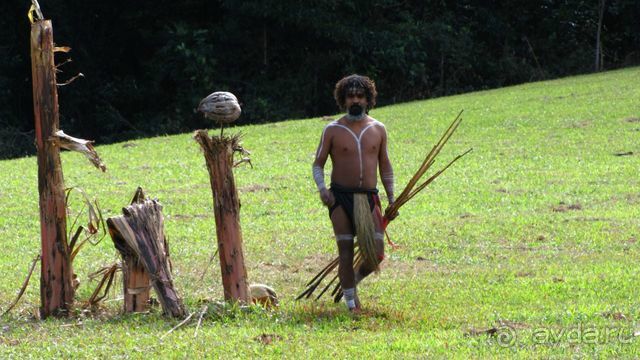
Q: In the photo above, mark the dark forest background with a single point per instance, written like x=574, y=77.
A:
x=148, y=63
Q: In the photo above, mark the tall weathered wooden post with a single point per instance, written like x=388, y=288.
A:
x=56, y=287
x=136, y=280
x=223, y=107
x=218, y=152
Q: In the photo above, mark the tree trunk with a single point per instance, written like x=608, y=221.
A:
x=56, y=289
x=598, y=64
x=218, y=152
x=265, y=45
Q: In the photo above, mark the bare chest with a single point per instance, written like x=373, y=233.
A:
x=347, y=142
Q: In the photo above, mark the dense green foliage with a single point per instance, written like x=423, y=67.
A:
x=534, y=234
x=148, y=63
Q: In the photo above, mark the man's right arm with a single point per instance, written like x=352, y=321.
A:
x=318, y=167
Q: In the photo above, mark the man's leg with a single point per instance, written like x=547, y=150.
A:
x=344, y=239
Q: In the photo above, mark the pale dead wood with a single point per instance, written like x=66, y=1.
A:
x=80, y=145
x=177, y=326
x=36, y=8
x=72, y=79
x=203, y=311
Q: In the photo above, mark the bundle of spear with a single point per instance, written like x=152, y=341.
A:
x=390, y=213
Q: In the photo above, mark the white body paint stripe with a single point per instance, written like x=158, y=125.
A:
x=357, y=138
x=322, y=141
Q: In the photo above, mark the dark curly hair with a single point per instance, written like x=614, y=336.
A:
x=358, y=82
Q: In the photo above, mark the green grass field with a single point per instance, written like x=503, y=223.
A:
x=534, y=235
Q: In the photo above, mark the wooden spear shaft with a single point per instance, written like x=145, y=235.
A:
x=56, y=287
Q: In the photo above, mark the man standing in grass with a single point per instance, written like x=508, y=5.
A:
x=357, y=145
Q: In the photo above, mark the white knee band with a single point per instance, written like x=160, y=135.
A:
x=344, y=237
x=378, y=236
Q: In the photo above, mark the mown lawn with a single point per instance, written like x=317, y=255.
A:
x=527, y=247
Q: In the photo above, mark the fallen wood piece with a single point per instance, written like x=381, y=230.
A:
x=203, y=311
x=186, y=320
x=139, y=237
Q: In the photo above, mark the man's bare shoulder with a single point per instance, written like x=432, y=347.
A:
x=375, y=122
x=340, y=121
x=380, y=128
x=330, y=127
x=332, y=124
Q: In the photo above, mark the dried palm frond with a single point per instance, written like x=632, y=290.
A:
x=80, y=145
x=107, y=274
x=91, y=230
x=411, y=189
x=409, y=192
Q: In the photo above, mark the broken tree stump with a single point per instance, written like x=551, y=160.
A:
x=218, y=153
x=139, y=237
x=137, y=285
x=136, y=281
x=56, y=287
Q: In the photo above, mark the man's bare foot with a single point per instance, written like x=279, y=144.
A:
x=356, y=310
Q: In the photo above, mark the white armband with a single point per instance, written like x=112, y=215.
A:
x=318, y=176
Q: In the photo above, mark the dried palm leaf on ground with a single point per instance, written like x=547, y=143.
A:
x=412, y=188
x=108, y=274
